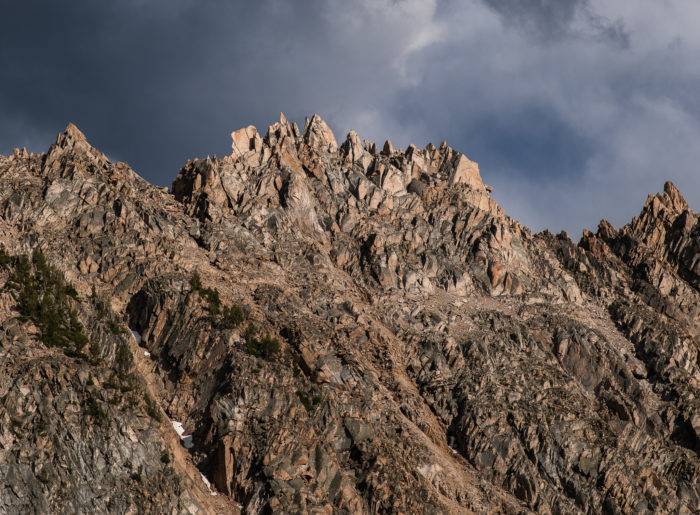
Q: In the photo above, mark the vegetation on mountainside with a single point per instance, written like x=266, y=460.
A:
x=265, y=346
x=43, y=296
x=225, y=317
x=310, y=402
x=5, y=259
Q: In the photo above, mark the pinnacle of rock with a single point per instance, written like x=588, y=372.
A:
x=678, y=203
x=71, y=143
x=281, y=130
x=73, y=132
x=606, y=230
x=388, y=148
x=245, y=142
x=466, y=171
x=318, y=135
x=70, y=137
x=352, y=148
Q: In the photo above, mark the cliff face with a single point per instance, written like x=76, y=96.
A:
x=341, y=328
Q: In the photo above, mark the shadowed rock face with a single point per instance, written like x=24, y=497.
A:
x=414, y=349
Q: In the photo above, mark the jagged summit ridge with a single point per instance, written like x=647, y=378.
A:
x=292, y=147
x=374, y=177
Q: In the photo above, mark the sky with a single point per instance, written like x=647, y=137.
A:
x=575, y=110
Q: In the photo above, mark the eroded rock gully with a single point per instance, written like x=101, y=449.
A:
x=343, y=328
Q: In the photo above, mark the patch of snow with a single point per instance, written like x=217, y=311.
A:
x=137, y=337
x=430, y=471
x=177, y=426
x=206, y=482
x=185, y=439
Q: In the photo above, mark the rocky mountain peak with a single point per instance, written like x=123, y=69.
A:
x=72, y=139
x=71, y=144
x=676, y=200
x=70, y=134
x=663, y=206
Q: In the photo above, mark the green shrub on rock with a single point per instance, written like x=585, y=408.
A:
x=209, y=294
x=231, y=317
x=265, y=347
x=43, y=296
x=226, y=317
x=5, y=258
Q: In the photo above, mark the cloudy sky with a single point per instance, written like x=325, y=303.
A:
x=575, y=109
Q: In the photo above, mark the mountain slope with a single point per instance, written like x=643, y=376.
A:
x=347, y=329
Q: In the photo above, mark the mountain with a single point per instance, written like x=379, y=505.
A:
x=303, y=326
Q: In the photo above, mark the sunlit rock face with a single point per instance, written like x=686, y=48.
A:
x=320, y=325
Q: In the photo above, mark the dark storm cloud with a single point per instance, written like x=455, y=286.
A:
x=588, y=102
x=149, y=82
x=544, y=18
x=548, y=20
